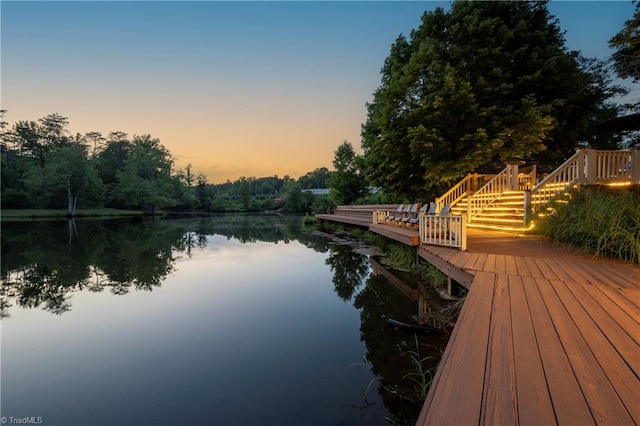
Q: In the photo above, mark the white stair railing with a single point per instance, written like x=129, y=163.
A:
x=558, y=182
x=490, y=192
x=467, y=185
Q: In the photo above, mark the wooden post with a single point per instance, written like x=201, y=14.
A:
x=463, y=236
x=512, y=173
x=581, y=160
x=591, y=166
x=534, y=175
x=527, y=207
x=635, y=165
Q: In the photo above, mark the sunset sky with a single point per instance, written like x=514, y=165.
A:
x=234, y=88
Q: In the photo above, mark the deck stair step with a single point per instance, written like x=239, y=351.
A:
x=504, y=214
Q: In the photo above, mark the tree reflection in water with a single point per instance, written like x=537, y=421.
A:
x=388, y=349
x=44, y=262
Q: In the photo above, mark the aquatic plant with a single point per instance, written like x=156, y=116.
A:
x=430, y=274
x=421, y=376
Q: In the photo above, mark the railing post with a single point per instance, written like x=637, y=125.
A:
x=591, y=165
x=581, y=161
x=512, y=173
x=527, y=206
x=463, y=236
x=533, y=175
x=635, y=165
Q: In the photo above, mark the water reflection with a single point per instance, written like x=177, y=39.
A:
x=44, y=262
x=231, y=336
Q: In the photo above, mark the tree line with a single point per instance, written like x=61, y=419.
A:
x=45, y=167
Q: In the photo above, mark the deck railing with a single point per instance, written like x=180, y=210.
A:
x=609, y=166
x=556, y=183
x=466, y=186
x=449, y=230
x=586, y=166
x=527, y=177
x=489, y=192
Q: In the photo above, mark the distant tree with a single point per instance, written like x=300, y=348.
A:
x=315, y=179
x=65, y=177
x=112, y=158
x=626, y=59
x=204, y=194
x=474, y=86
x=53, y=129
x=96, y=141
x=347, y=183
x=146, y=181
x=27, y=139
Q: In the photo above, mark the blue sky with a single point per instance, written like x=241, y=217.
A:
x=235, y=88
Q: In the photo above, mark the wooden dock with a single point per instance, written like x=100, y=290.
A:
x=546, y=336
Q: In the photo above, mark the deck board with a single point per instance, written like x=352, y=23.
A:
x=533, y=399
x=614, y=366
x=604, y=403
x=568, y=401
x=499, y=404
x=467, y=361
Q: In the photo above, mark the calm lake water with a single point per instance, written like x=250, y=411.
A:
x=227, y=320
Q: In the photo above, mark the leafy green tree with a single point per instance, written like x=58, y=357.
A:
x=146, y=181
x=315, y=179
x=53, y=129
x=473, y=87
x=347, y=183
x=112, y=159
x=626, y=59
x=65, y=177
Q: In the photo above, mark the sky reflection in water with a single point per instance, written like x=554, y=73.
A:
x=238, y=333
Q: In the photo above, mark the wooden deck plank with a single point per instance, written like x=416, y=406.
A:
x=577, y=270
x=622, y=379
x=625, y=320
x=603, y=400
x=501, y=264
x=622, y=330
x=482, y=259
x=521, y=266
x=499, y=397
x=547, y=272
x=463, y=372
x=490, y=264
x=568, y=402
x=632, y=298
x=534, y=271
x=471, y=260
x=603, y=278
x=458, y=259
x=445, y=359
x=623, y=274
x=632, y=318
x=510, y=265
x=533, y=399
